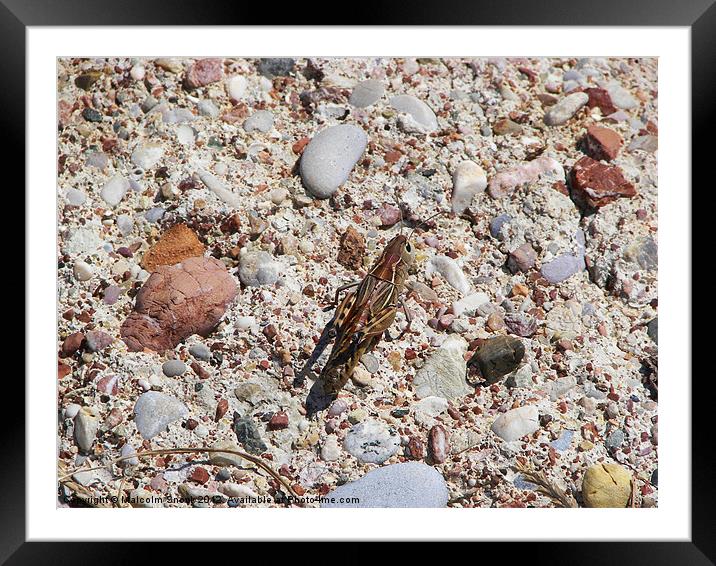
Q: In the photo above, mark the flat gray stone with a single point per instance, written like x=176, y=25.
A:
x=565, y=109
x=366, y=93
x=173, y=368
x=261, y=121
x=371, y=441
x=155, y=411
x=330, y=157
x=406, y=485
x=418, y=110
x=443, y=374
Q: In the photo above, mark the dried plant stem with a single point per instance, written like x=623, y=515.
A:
x=64, y=479
x=546, y=487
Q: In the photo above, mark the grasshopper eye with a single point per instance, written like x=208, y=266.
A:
x=408, y=248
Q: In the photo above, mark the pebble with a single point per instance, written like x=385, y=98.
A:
x=154, y=412
x=147, y=155
x=450, y=270
x=371, y=441
x=615, y=439
x=71, y=410
x=96, y=340
x=276, y=67
x=521, y=324
x=125, y=224
x=173, y=368
x=141, y=498
x=174, y=246
x=652, y=329
x=330, y=157
x=366, y=93
x=621, y=97
x=82, y=271
x=261, y=120
x=236, y=87
x=130, y=454
x=562, y=386
x=562, y=267
x=595, y=184
x=203, y=72
x=420, y=112
x=516, y=423
x=469, y=304
x=602, y=143
x=114, y=190
x=91, y=115
x=248, y=434
x=496, y=225
x=438, y=446
x=207, y=108
x=86, y=427
x=646, y=143
x=330, y=450
x=561, y=112
x=499, y=356
x=200, y=352
x=75, y=197
x=522, y=259
x=430, y=407
x=405, y=485
x=468, y=180
x=226, y=458
x=563, y=442
x=507, y=180
x=154, y=214
x=258, y=269
x=443, y=373
x=185, y=135
x=338, y=407
x=606, y=485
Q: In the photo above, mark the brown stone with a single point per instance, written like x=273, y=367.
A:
x=416, y=448
x=175, y=245
x=522, y=259
x=178, y=301
x=600, y=98
x=504, y=127
x=352, y=249
x=595, y=184
x=278, y=421
x=497, y=357
x=438, y=446
x=71, y=344
x=602, y=143
x=199, y=475
x=203, y=72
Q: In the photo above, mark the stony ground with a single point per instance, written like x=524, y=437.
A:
x=560, y=257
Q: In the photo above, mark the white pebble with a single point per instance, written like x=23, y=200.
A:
x=468, y=180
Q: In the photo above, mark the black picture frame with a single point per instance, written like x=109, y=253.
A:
x=698, y=15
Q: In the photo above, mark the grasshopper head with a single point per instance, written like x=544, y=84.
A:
x=403, y=249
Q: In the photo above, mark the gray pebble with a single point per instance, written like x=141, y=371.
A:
x=366, y=93
x=125, y=224
x=200, y=351
x=262, y=120
x=257, y=269
x=652, y=329
x=417, y=109
x=207, y=108
x=154, y=214
x=330, y=157
x=615, y=439
x=274, y=67
x=406, y=485
x=173, y=368
x=565, y=109
x=443, y=373
x=496, y=225
x=76, y=197
x=86, y=427
x=114, y=190
x=562, y=267
x=155, y=411
x=372, y=441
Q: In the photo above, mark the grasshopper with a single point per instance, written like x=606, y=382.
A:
x=364, y=315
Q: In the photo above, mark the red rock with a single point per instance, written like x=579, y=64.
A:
x=64, y=113
x=278, y=421
x=522, y=259
x=389, y=215
x=62, y=370
x=416, y=448
x=600, y=98
x=221, y=408
x=199, y=475
x=203, y=72
x=438, y=444
x=71, y=344
x=595, y=184
x=109, y=384
x=352, y=249
x=178, y=301
x=602, y=143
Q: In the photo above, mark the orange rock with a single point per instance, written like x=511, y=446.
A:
x=176, y=244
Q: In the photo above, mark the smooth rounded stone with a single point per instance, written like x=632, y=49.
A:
x=144, y=499
x=561, y=112
x=130, y=456
x=257, y=269
x=207, y=108
x=522, y=259
x=154, y=412
x=125, y=224
x=276, y=67
x=86, y=427
x=114, y=190
x=366, y=93
x=606, y=485
x=499, y=356
x=469, y=304
x=443, y=373
x=516, y=423
x=406, y=485
x=562, y=267
x=154, y=214
x=496, y=225
x=173, y=368
x=71, y=410
x=226, y=458
x=261, y=120
x=330, y=157
x=185, y=135
x=652, y=329
x=615, y=439
x=75, y=197
x=450, y=270
x=621, y=97
x=330, y=450
x=371, y=441
x=236, y=87
x=338, y=407
x=468, y=180
x=82, y=271
x=147, y=155
x=417, y=109
x=200, y=351
x=370, y=363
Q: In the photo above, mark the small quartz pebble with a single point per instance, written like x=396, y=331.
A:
x=173, y=368
x=366, y=93
x=147, y=155
x=371, y=441
x=468, y=180
x=257, y=269
x=200, y=351
x=565, y=109
x=261, y=121
x=236, y=87
x=329, y=158
x=114, y=190
x=516, y=423
x=154, y=412
x=86, y=427
x=82, y=271
x=450, y=270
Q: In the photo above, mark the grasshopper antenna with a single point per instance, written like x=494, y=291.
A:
x=424, y=222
